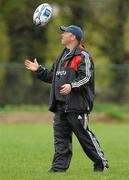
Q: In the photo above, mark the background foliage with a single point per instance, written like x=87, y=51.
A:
x=106, y=37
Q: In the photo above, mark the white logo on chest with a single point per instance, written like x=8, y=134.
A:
x=60, y=73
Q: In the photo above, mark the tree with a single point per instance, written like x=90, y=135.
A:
x=110, y=21
x=25, y=41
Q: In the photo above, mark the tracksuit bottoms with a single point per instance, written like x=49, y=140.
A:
x=64, y=125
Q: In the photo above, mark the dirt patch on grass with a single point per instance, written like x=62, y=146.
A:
x=25, y=117
x=102, y=117
x=28, y=117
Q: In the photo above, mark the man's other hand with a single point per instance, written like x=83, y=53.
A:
x=65, y=89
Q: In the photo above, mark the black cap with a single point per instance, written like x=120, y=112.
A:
x=76, y=30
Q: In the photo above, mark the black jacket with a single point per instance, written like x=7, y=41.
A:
x=81, y=68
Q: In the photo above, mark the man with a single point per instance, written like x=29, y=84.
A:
x=71, y=99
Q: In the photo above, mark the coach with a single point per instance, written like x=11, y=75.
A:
x=71, y=99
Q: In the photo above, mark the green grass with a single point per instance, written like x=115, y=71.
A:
x=26, y=152
x=24, y=108
x=106, y=107
x=117, y=111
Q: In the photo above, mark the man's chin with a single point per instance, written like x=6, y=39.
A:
x=63, y=43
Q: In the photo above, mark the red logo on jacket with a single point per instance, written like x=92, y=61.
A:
x=74, y=62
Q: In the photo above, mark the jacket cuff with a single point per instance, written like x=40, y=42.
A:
x=40, y=69
x=72, y=85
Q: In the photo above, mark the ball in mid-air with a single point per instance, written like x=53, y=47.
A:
x=42, y=14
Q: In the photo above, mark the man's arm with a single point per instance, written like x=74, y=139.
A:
x=41, y=72
x=84, y=72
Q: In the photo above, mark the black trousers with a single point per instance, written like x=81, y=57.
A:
x=64, y=125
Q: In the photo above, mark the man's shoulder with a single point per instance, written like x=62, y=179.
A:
x=84, y=53
x=87, y=57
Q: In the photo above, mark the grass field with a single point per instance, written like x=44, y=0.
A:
x=26, y=152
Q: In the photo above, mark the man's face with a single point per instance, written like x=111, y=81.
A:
x=67, y=38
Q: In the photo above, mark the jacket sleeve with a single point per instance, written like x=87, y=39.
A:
x=45, y=74
x=84, y=72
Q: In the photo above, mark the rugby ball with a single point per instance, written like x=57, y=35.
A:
x=42, y=14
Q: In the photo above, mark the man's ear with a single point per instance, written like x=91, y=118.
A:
x=73, y=37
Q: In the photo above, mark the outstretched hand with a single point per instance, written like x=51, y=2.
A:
x=33, y=66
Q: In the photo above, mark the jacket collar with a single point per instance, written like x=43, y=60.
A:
x=76, y=51
x=79, y=48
